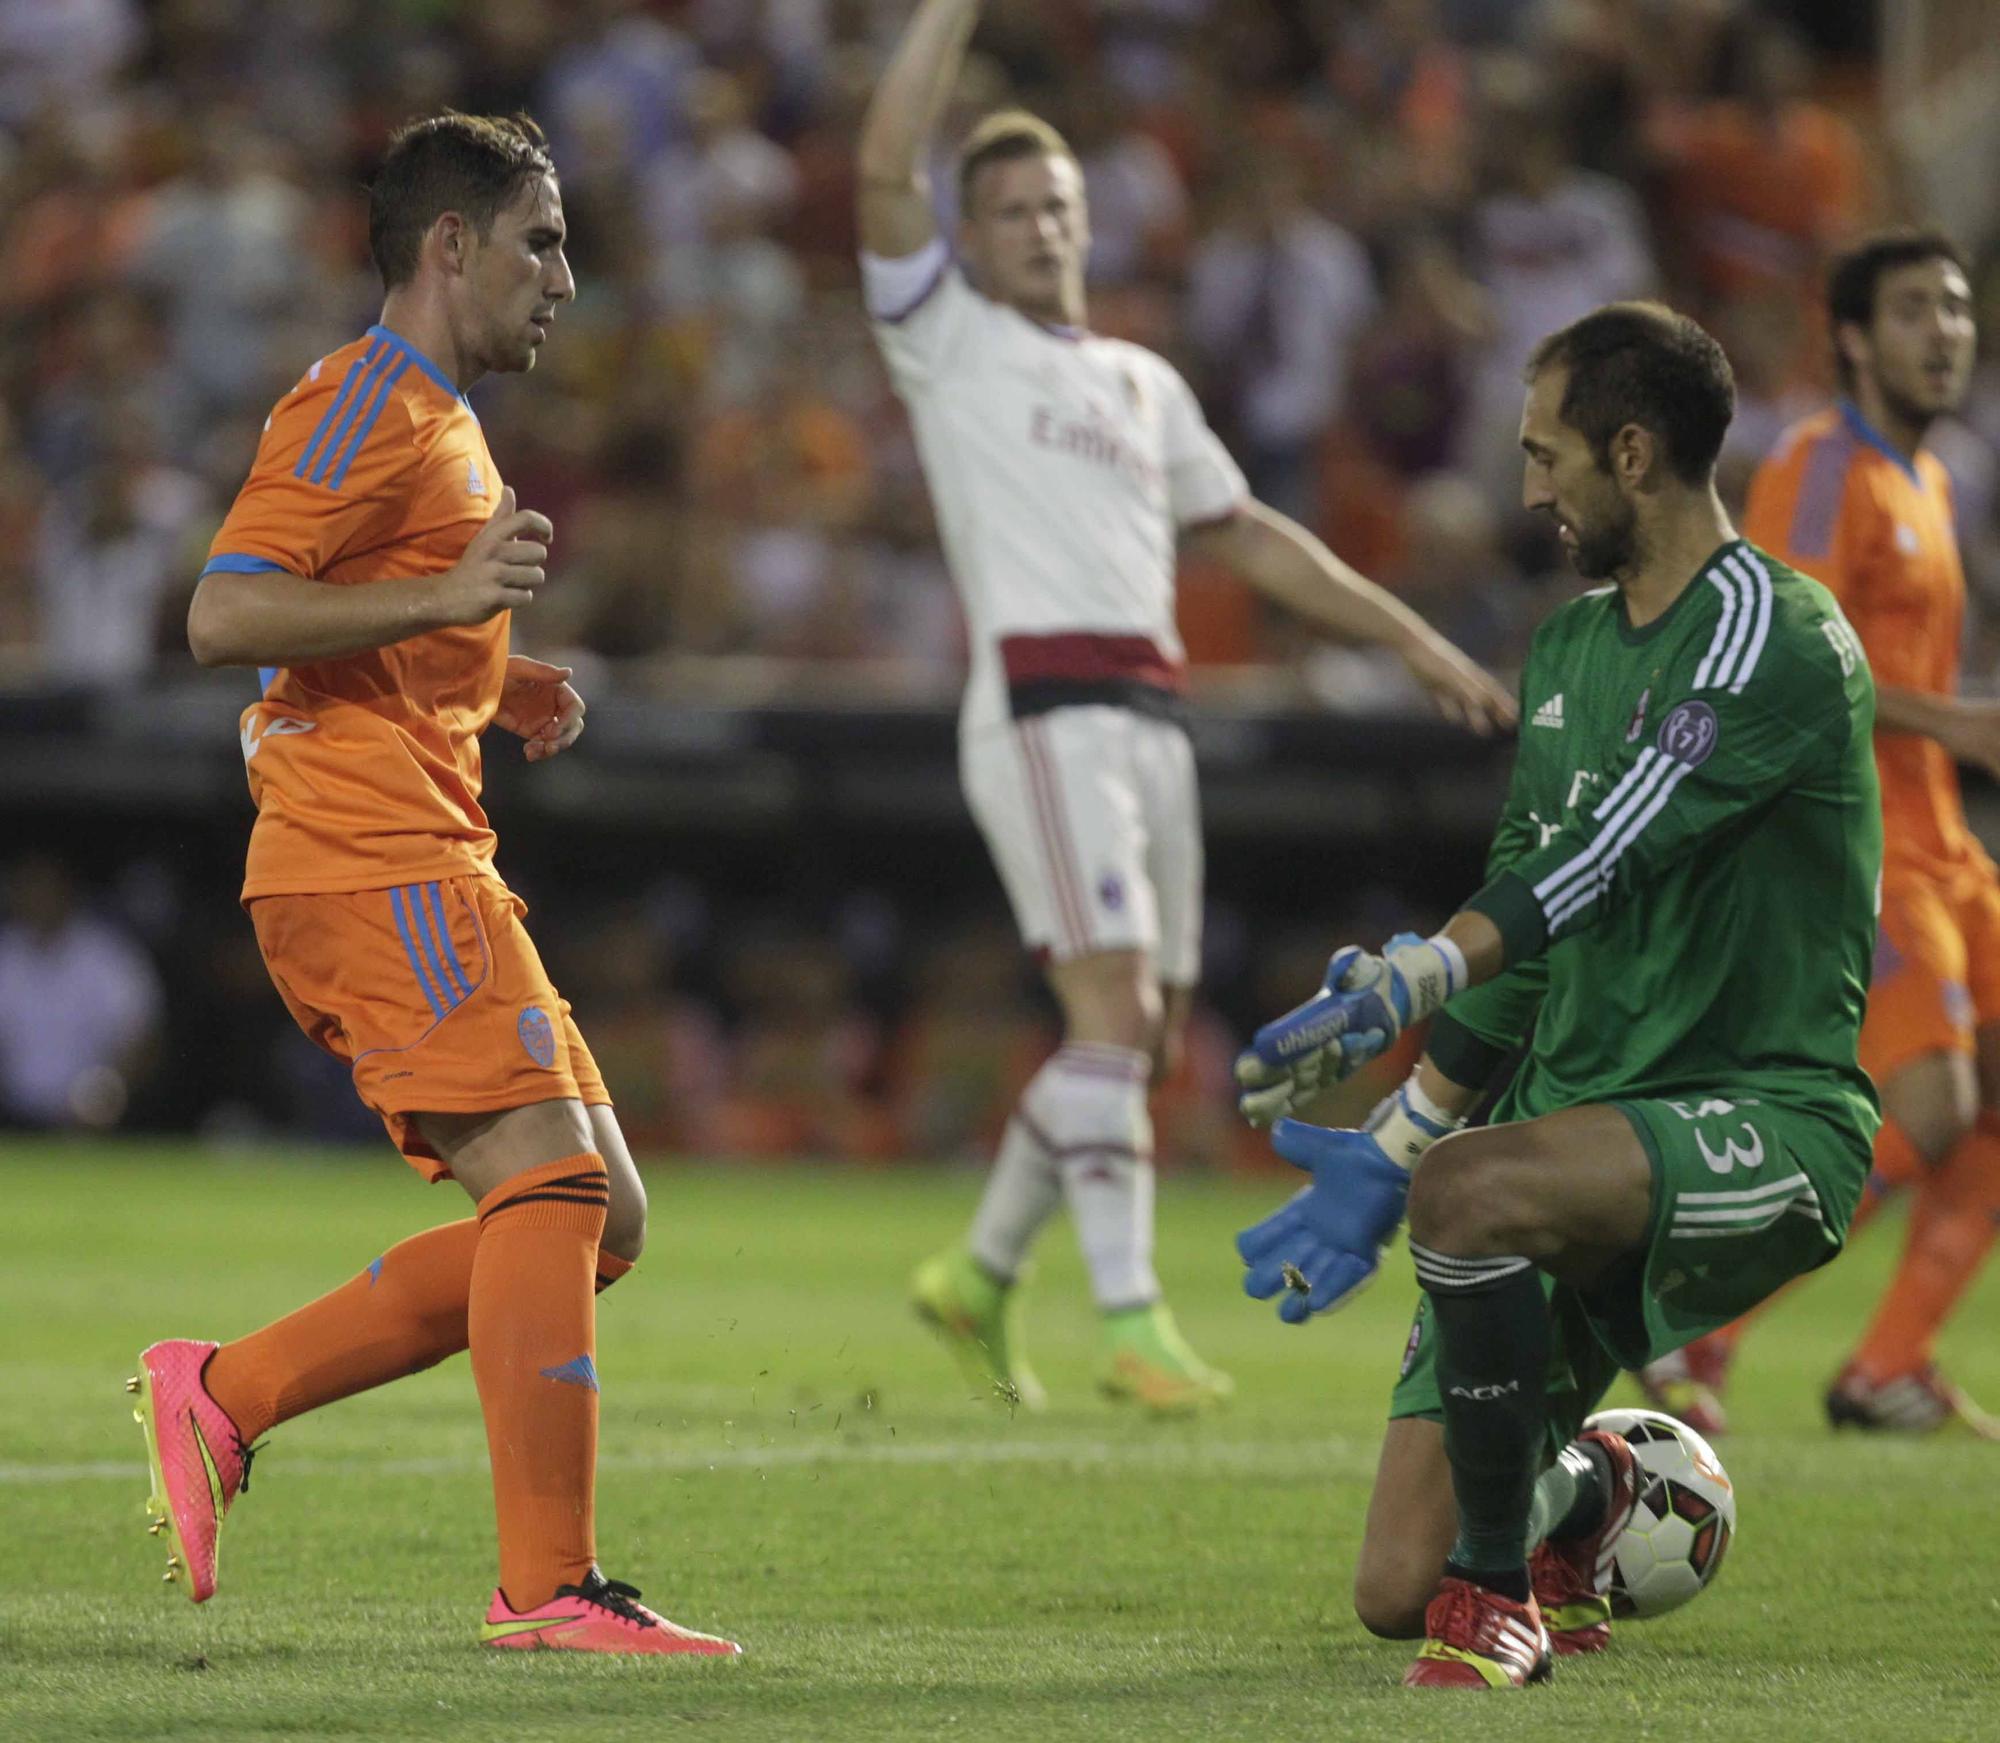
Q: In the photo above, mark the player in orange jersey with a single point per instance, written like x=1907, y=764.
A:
x=370, y=566
x=1852, y=497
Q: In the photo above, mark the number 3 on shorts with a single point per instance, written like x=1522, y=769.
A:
x=1746, y=1150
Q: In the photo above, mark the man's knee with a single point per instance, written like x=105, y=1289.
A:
x=1459, y=1201
x=1390, y=1600
x=625, y=1228
x=1937, y=1128
x=1169, y=1045
x=1934, y=1101
x=1112, y=998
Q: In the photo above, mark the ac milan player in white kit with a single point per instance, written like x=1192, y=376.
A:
x=1067, y=470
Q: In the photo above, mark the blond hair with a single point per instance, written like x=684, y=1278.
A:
x=1004, y=135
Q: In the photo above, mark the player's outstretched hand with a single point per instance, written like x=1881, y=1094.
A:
x=1462, y=689
x=1356, y=1014
x=1323, y=1248
x=502, y=566
x=538, y=704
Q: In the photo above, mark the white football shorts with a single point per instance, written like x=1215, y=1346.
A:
x=1093, y=819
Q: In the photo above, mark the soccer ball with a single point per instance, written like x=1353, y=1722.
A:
x=1685, y=1518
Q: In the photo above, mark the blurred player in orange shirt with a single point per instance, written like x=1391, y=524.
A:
x=1851, y=497
x=369, y=567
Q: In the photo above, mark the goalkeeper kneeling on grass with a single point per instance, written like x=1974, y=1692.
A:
x=1677, y=924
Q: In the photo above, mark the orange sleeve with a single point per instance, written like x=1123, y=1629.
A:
x=1797, y=509
x=333, y=474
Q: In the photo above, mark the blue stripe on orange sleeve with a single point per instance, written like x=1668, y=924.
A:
x=236, y=563
x=396, y=904
x=1822, y=485
x=354, y=370
x=382, y=357
x=368, y=420
x=424, y=364
x=266, y=677
x=442, y=931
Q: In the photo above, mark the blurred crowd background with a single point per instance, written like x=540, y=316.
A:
x=1347, y=221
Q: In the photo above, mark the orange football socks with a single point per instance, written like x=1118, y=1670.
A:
x=532, y=1317
x=405, y=1312
x=1952, y=1225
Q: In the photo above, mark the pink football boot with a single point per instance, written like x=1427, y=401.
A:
x=198, y=1460
x=599, y=1615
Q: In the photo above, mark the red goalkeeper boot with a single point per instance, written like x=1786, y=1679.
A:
x=1477, y=1639
x=1572, y=1579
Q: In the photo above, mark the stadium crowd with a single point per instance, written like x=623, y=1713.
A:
x=1346, y=220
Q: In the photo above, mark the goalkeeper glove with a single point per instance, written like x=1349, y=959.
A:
x=1324, y=1246
x=1364, y=1004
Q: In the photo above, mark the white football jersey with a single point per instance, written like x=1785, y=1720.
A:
x=1062, y=466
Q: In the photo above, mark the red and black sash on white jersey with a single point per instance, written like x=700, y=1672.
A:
x=1083, y=669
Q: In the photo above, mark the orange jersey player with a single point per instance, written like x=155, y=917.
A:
x=1851, y=497
x=369, y=568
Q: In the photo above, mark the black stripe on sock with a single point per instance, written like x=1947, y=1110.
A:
x=603, y=1202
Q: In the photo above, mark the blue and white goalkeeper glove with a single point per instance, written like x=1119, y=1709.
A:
x=1324, y=1246
x=1364, y=1004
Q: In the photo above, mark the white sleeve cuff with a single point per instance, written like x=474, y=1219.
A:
x=894, y=290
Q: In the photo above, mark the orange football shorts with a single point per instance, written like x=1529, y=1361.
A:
x=434, y=995
x=1937, y=965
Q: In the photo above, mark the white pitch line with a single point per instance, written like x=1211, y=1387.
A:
x=1333, y=1457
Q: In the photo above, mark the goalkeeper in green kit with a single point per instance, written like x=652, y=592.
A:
x=1677, y=925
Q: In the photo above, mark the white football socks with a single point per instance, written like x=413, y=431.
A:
x=1021, y=1194
x=1094, y=1118
x=1082, y=1132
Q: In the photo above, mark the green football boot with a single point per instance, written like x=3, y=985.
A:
x=978, y=1318
x=1153, y=1365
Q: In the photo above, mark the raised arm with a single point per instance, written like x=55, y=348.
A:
x=1283, y=560
x=895, y=196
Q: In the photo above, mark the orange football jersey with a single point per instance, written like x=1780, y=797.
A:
x=365, y=769
x=1837, y=502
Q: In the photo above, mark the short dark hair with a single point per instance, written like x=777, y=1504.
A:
x=1001, y=137
x=470, y=164
x=1856, y=276
x=1644, y=364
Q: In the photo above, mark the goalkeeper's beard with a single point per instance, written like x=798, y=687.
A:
x=1610, y=550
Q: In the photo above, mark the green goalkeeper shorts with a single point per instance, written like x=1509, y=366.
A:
x=1747, y=1195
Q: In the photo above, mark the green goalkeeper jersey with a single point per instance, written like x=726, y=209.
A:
x=1688, y=868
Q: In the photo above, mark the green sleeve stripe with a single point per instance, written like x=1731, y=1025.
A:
x=1466, y=1057
x=1629, y=807
x=1510, y=904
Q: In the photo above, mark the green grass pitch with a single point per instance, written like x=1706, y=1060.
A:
x=789, y=1459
